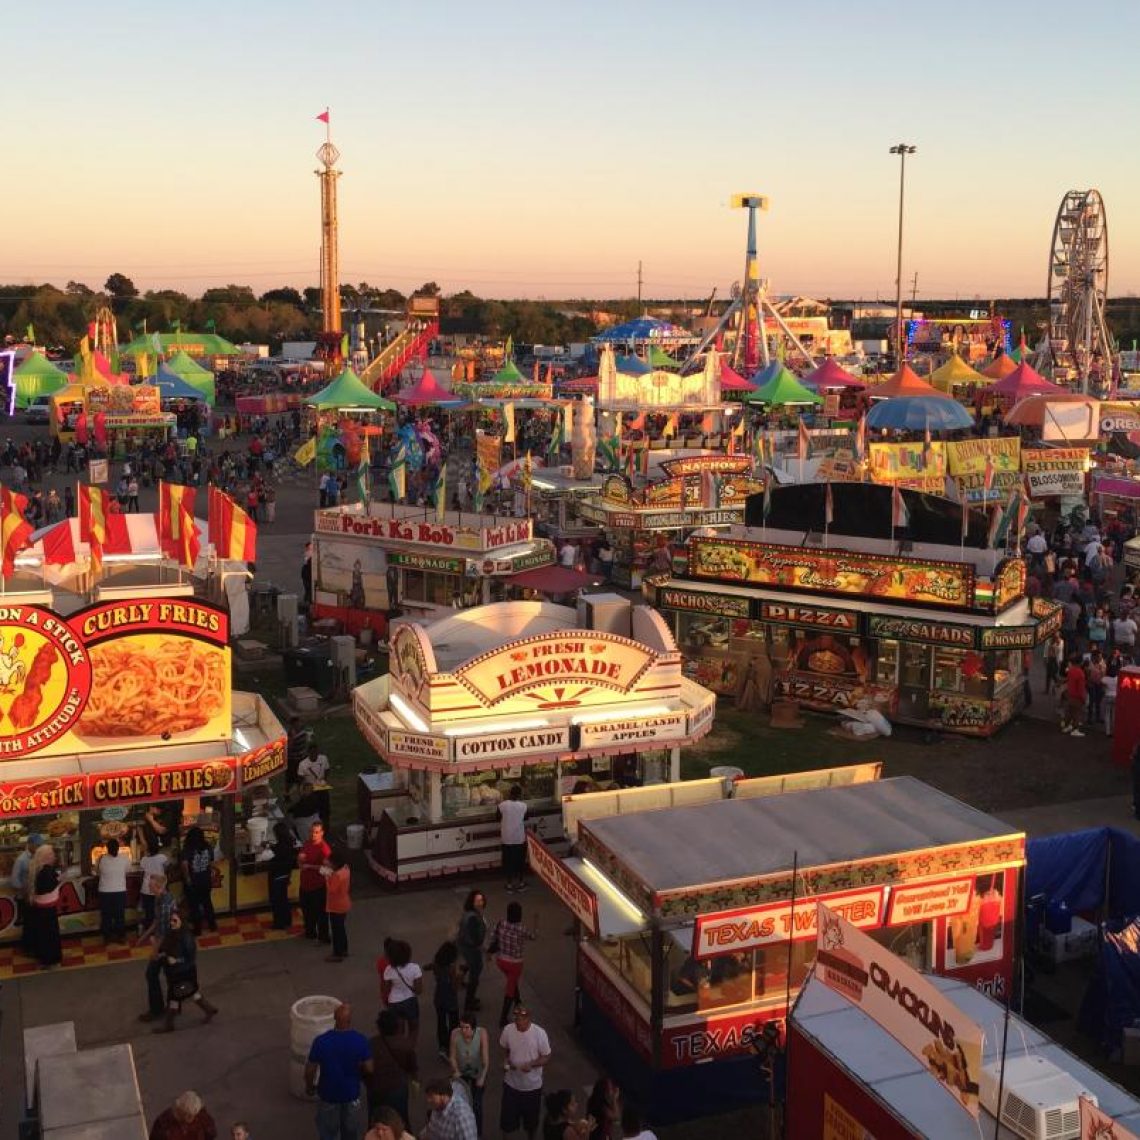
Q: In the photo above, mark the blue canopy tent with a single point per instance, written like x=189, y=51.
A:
x=171, y=386
x=633, y=366
x=917, y=413
x=642, y=330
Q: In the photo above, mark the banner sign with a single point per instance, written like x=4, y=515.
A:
x=422, y=532
x=582, y=659
x=1056, y=471
x=636, y=730
x=968, y=456
x=904, y=1003
x=581, y=900
x=889, y=462
x=494, y=745
x=76, y=791
x=124, y=400
x=113, y=676
x=972, y=488
x=730, y=931
x=915, y=629
x=726, y=605
x=931, y=900
x=866, y=575
x=847, y=621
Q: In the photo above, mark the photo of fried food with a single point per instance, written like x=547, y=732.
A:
x=155, y=686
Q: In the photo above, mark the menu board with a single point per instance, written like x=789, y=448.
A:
x=114, y=676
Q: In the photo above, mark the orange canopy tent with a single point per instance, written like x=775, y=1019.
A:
x=1000, y=367
x=905, y=382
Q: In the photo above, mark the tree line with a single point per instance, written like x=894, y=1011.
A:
x=60, y=317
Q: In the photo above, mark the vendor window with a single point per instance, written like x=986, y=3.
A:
x=911, y=942
x=960, y=671
x=887, y=663
x=424, y=586
x=696, y=632
x=914, y=671
x=1007, y=668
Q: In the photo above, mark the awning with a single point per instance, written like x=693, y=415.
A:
x=554, y=579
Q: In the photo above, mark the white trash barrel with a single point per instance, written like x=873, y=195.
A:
x=308, y=1019
x=355, y=833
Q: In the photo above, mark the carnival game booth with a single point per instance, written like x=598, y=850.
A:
x=527, y=693
x=685, y=917
x=934, y=635
x=693, y=492
x=119, y=721
x=398, y=556
x=857, y=1067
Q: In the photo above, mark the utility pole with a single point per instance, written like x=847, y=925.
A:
x=914, y=289
x=902, y=150
x=640, y=311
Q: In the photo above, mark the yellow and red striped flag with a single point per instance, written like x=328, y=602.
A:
x=232, y=531
x=177, y=534
x=15, y=529
x=94, y=507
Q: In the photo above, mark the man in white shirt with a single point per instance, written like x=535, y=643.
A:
x=1036, y=544
x=512, y=835
x=312, y=773
x=112, y=871
x=527, y=1050
x=568, y=555
x=1124, y=634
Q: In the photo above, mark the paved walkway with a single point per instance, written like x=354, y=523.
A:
x=240, y=1062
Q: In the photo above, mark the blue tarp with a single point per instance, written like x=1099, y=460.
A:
x=1113, y=997
x=171, y=386
x=1068, y=868
x=1123, y=874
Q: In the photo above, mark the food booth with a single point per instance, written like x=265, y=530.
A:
x=527, y=693
x=854, y=1077
x=125, y=412
x=928, y=640
x=684, y=919
x=119, y=721
x=366, y=564
x=695, y=492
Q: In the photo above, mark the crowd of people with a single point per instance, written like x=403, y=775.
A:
x=1077, y=564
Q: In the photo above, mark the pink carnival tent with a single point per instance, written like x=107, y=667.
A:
x=428, y=390
x=830, y=375
x=1021, y=382
x=732, y=381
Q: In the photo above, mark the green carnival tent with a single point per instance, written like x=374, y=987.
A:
x=508, y=374
x=37, y=376
x=193, y=344
x=348, y=392
x=659, y=358
x=192, y=373
x=783, y=389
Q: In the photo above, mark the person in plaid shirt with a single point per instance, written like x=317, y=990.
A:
x=507, y=944
x=449, y=1114
x=164, y=906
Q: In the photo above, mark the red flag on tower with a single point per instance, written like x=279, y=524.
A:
x=323, y=117
x=14, y=528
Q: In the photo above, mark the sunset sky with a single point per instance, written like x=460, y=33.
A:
x=540, y=149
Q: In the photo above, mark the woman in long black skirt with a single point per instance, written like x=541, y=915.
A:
x=44, y=910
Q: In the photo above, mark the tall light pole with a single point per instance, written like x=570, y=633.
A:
x=902, y=150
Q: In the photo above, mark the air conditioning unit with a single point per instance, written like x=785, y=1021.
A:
x=1039, y=1100
x=342, y=653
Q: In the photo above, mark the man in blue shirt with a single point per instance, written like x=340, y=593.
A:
x=337, y=1059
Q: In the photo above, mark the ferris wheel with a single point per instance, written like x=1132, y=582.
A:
x=1080, y=345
